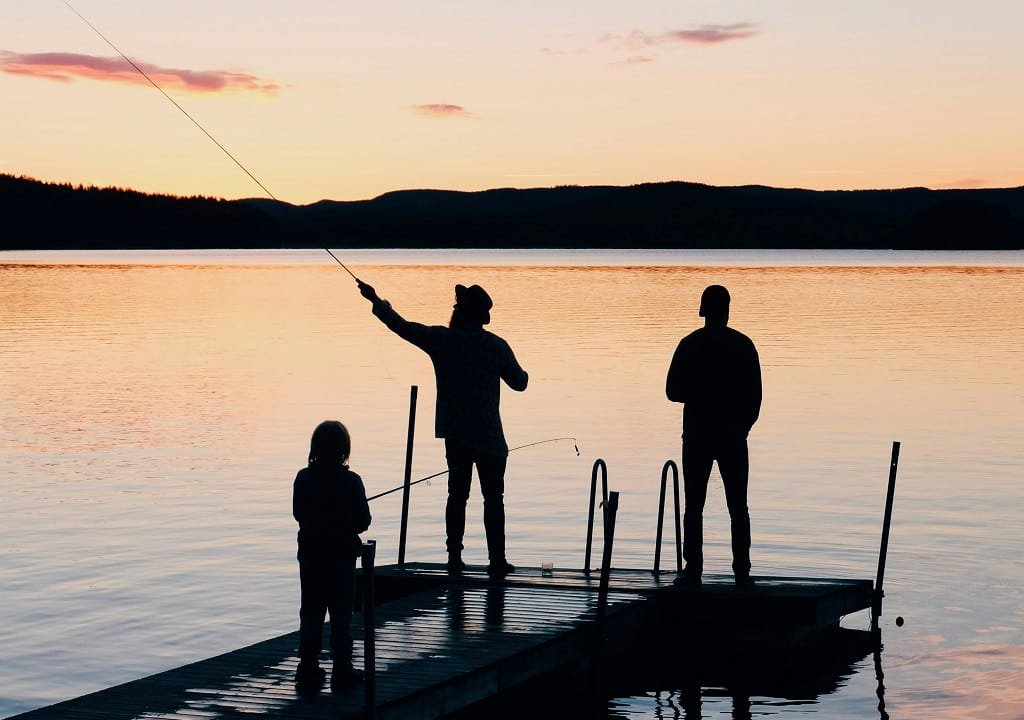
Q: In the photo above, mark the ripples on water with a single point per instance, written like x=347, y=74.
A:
x=155, y=407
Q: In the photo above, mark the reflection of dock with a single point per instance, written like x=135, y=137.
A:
x=441, y=646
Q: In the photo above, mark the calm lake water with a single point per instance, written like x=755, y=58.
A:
x=154, y=408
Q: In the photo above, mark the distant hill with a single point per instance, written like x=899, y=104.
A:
x=36, y=215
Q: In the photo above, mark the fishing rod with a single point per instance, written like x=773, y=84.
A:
x=575, y=446
x=195, y=122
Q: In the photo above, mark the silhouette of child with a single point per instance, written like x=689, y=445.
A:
x=329, y=503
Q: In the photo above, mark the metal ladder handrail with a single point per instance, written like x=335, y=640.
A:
x=598, y=464
x=611, y=509
x=669, y=465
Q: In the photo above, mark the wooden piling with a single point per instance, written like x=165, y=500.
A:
x=876, y=606
x=408, y=474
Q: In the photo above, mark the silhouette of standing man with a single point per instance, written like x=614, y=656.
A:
x=716, y=374
x=469, y=363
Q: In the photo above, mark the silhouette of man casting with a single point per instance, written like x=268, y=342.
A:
x=469, y=363
x=716, y=374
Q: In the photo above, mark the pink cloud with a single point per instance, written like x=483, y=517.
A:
x=702, y=35
x=441, y=110
x=635, y=60
x=557, y=52
x=66, y=67
x=640, y=44
x=711, y=34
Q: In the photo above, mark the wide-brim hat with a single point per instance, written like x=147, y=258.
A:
x=475, y=301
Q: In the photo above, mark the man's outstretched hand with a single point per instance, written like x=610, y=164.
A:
x=367, y=291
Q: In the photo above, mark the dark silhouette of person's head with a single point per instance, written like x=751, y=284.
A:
x=714, y=305
x=330, y=445
x=472, y=307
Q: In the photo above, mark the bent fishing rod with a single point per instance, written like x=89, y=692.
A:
x=575, y=446
x=195, y=122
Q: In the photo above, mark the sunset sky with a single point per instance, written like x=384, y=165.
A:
x=345, y=100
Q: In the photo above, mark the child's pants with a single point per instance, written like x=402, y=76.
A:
x=327, y=584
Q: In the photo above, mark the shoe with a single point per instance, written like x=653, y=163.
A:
x=500, y=569
x=309, y=677
x=744, y=581
x=455, y=566
x=687, y=578
x=345, y=677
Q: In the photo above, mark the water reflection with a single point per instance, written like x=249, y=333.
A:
x=673, y=682
x=464, y=612
x=880, y=691
x=688, y=702
x=745, y=683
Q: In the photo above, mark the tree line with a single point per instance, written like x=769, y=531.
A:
x=39, y=215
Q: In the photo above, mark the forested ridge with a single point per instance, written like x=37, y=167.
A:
x=38, y=215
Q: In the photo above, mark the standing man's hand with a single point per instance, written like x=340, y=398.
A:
x=367, y=291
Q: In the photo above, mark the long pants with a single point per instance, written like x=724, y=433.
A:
x=491, y=471
x=327, y=584
x=734, y=464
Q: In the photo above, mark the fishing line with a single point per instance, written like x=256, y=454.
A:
x=263, y=187
x=194, y=121
x=575, y=446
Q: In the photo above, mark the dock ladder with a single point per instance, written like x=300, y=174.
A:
x=669, y=466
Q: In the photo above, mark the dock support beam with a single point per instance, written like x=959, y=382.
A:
x=408, y=475
x=876, y=604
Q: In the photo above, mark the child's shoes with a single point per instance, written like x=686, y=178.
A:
x=309, y=677
x=344, y=677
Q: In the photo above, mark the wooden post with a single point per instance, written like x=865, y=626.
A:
x=408, y=475
x=876, y=605
x=369, y=631
x=611, y=508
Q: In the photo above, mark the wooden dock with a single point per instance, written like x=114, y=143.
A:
x=442, y=646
